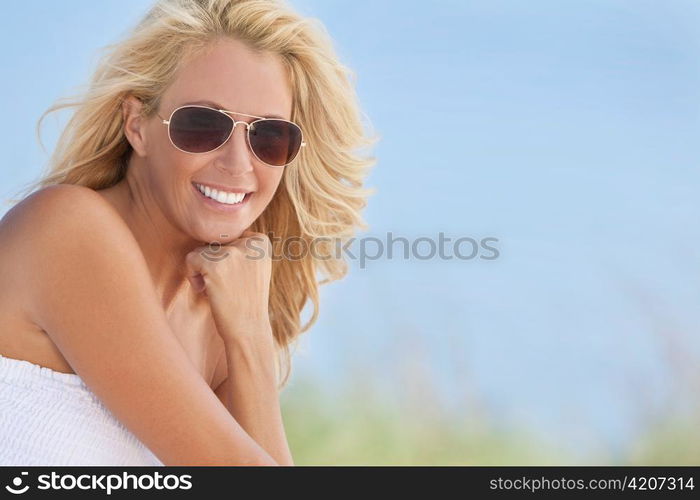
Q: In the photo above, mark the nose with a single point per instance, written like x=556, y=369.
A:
x=235, y=157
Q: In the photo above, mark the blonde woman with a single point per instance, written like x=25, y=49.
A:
x=146, y=318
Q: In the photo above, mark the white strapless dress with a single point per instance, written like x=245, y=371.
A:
x=53, y=418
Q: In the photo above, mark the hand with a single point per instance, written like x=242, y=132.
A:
x=236, y=279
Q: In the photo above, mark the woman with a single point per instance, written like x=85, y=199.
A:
x=148, y=307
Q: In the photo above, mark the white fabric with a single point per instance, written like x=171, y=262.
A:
x=53, y=418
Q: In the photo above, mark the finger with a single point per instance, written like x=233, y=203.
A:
x=193, y=263
x=198, y=283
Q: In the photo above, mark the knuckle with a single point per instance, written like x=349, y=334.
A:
x=192, y=257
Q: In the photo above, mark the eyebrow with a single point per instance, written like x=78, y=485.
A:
x=219, y=106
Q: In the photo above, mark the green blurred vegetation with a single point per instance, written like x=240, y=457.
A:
x=359, y=425
x=356, y=426
x=673, y=441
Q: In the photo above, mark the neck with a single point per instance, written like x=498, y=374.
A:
x=164, y=246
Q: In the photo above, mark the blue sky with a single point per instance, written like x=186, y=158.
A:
x=567, y=130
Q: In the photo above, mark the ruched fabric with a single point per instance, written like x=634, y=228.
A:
x=53, y=418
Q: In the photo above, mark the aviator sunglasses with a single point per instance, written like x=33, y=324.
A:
x=201, y=129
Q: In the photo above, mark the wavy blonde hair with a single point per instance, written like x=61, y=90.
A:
x=321, y=193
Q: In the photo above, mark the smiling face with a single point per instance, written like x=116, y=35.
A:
x=230, y=76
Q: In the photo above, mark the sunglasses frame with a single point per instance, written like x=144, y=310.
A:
x=228, y=113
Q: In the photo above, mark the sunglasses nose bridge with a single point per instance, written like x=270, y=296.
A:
x=247, y=125
x=230, y=139
x=233, y=129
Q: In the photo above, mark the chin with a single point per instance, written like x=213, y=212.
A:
x=225, y=236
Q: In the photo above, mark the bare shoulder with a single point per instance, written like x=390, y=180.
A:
x=61, y=217
x=30, y=233
x=59, y=225
x=61, y=206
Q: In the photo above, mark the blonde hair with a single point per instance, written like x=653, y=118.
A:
x=321, y=193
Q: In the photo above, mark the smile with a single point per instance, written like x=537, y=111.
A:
x=221, y=196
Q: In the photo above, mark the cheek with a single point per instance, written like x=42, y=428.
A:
x=172, y=176
x=268, y=181
x=171, y=164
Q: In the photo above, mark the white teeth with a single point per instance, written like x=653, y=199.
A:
x=221, y=196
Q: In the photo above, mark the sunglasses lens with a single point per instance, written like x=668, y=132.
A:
x=199, y=130
x=276, y=142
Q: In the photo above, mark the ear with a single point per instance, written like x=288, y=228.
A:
x=134, y=125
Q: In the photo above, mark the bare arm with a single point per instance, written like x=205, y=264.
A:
x=87, y=285
x=250, y=394
x=237, y=288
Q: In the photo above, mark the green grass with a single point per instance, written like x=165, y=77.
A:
x=675, y=441
x=357, y=427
